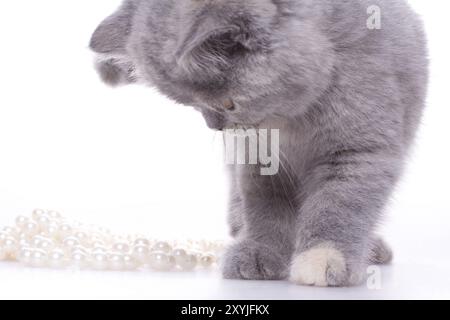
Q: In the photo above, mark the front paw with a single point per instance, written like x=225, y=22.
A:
x=250, y=260
x=323, y=266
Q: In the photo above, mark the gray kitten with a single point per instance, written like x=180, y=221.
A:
x=346, y=98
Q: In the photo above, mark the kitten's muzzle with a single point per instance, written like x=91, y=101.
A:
x=217, y=114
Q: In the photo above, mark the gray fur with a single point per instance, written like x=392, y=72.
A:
x=347, y=101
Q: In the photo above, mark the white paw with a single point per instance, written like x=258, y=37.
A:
x=320, y=266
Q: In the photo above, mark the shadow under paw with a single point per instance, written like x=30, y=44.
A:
x=250, y=260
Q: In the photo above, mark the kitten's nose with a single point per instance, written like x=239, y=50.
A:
x=229, y=105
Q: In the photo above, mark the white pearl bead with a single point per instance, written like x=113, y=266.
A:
x=51, y=230
x=36, y=240
x=100, y=261
x=83, y=238
x=57, y=259
x=25, y=255
x=140, y=253
x=65, y=230
x=14, y=232
x=142, y=242
x=37, y=213
x=183, y=260
x=187, y=262
x=163, y=247
x=10, y=246
x=121, y=247
x=24, y=236
x=54, y=214
x=130, y=263
x=160, y=261
x=116, y=261
x=4, y=236
x=3, y=254
x=207, y=260
x=38, y=258
x=43, y=222
x=31, y=228
x=21, y=221
x=70, y=242
x=42, y=243
x=80, y=259
x=179, y=254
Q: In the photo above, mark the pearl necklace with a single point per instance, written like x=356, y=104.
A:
x=46, y=239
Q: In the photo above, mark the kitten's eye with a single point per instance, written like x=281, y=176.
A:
x=228, y=104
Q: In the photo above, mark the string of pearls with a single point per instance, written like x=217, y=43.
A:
x=46, y=239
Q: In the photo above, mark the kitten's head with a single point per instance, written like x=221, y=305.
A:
x=238, y=62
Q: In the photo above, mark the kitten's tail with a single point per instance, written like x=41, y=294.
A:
x=380, y=253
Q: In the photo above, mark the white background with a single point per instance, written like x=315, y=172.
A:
x=131, y=160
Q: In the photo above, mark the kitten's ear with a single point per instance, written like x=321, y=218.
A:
x=109, y=41
x=211, y=47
